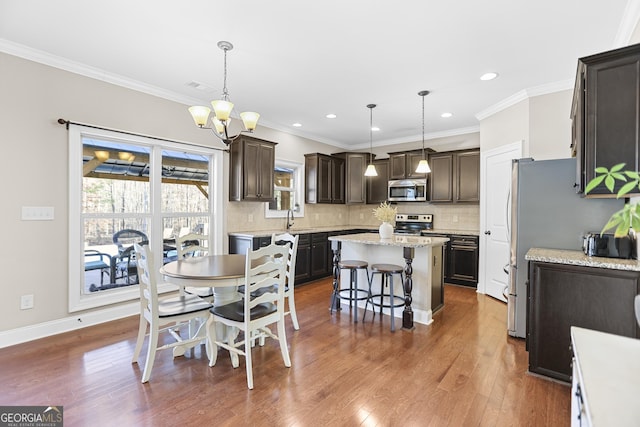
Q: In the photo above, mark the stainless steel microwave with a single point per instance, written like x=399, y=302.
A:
x=407, y=190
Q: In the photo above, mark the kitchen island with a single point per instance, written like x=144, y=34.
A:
x=422, y=260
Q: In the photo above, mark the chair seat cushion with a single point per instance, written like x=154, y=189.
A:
x=235, y=311
x=182, y=304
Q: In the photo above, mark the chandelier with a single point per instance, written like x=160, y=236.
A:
x=423, y=165
x=222, y=108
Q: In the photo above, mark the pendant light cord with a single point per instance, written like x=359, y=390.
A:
x=371, y=135
x=423, y=126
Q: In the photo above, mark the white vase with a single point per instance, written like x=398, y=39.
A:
x=386, y=230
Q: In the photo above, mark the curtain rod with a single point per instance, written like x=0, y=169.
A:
x=68, y=122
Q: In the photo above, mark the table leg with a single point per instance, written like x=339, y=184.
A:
x=407, y=314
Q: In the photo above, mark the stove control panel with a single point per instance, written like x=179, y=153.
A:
x=428, y=218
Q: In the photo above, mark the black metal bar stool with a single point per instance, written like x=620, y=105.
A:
x=386, y=271
x=354, y=292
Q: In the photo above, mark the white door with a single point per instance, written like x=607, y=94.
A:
x=495, y=204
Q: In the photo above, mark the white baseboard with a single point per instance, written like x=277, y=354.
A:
x=70, y=323
x=424, y=317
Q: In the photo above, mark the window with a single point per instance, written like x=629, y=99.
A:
x=288, y=190
x=125, y=189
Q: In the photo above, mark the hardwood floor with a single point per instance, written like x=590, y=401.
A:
x=462, y=370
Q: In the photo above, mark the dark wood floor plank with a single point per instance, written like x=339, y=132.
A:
x=462, y=370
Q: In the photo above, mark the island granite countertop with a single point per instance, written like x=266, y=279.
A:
x=569, y=257
x=405, y=241
x=334, y=228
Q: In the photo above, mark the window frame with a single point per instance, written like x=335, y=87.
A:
x=298, y=177
x=77, y=299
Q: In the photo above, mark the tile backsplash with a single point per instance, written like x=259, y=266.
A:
x=249, y=216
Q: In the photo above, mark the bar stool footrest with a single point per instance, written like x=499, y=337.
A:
x=399, y=301
x=357, y=292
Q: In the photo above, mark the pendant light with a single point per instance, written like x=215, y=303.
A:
x=423, y=165
x=371, y=169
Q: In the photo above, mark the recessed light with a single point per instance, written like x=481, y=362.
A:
x=488, y=76
x=375, y=128
x=446, y=115
x=296, y=125
x=331, y=116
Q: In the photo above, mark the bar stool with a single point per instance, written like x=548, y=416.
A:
x=353, y=290
x=387, y=271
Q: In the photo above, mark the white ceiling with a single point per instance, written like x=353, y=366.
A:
x=296, y=61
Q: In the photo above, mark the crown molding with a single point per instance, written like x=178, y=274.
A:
x=630, y=19
x=417, y=138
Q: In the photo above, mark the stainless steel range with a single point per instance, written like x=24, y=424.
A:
x=413, y=223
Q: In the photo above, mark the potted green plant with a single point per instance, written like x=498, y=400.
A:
x=627, y=219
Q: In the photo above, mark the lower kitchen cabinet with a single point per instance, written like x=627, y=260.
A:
x=463, y=260
x=240, y=244
x=303, y=259
x=561, y=296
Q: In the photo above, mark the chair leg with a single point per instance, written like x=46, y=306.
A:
x=248, y=361
x=282, y=339
x=212, y=337
x=292, y=310
x=142, y=331
x=151, y=352
x=392, y=302
x=235, y=360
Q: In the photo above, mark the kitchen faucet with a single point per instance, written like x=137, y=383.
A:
x=289, y=219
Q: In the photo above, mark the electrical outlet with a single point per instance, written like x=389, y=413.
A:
x=317, y=217
x=361, y=216
x=26, y=302
x=339, y=216
x=250, y=218
x=455, y=218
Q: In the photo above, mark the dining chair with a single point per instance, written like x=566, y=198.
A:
x=291, y=274
x=163, y=314
x=194, y=245
x=262, y=305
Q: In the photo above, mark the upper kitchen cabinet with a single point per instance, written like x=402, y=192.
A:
x=455, y=177
x=355, y=185
x=251, y=167
x=377, y=186
x=403, y=165
x=324, y=177
x=605, y=114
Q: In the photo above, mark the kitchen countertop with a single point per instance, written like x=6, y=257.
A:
x=405, y=241
x=268, y=233
x=569, y=257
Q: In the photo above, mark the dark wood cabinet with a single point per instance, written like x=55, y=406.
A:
x=377, y=186
x=355, y=188
x=240, y=244
x=324, y=178
x=319, y=252
x=463, y=260
x=251, y=169
x=606, y=114
x=303, y=259
x=403, y=165
x=455, y=177
x=561, y=296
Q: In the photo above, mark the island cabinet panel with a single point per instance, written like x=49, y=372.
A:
x=324, y=179
x=606, y=114
x=377, y=186
x=251, y=164
x=561, y=296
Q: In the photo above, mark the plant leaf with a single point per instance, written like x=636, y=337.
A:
x=609, y=182
x=617, y=167
x=627, y=188
x=594, y=183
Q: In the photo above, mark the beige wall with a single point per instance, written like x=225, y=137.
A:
x=550, y=125
x=505, y=127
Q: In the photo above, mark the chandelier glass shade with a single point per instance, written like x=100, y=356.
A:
x=423, y=165
x=222, y=109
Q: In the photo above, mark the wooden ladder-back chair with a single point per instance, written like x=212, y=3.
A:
x=163, y=314
x=194, y=245
x=291, y=273
x=262, y=305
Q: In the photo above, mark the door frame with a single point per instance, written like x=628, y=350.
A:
x=518, y=151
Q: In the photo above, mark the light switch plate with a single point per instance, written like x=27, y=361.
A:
x=37, y=213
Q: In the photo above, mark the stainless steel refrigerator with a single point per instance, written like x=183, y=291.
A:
x=546, y=212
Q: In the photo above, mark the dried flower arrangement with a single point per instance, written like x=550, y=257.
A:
x=385, y=212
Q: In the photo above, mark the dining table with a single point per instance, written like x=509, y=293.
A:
x=224, y=273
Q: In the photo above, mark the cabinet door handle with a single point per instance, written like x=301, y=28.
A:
x=488, y=232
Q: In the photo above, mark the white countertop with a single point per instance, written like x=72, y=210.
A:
x=609, y=375
x=561, y=256
x=396, y=240
x=328, y=229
